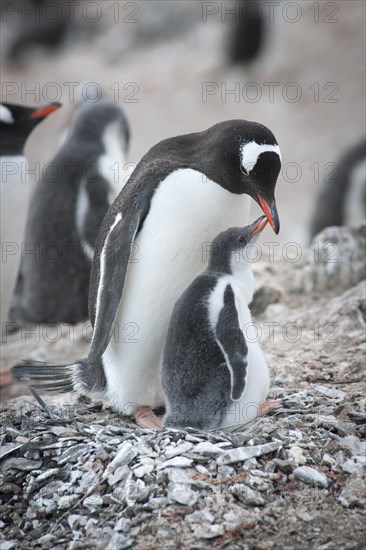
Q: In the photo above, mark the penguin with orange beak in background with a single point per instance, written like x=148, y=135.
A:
x=16, y=123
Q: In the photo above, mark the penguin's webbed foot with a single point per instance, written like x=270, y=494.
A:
x=268, y=406
x=146, y=418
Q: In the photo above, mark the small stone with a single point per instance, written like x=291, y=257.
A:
x=208, y=449
x=296, y=455
x=122, y=525
x=330, y=392
x=8, y=545
x=178, y=475
x=66, y=501
x=355, y=465
x=176, y=462
x=354, y=445
x=120, y=474
x=143, y=470
x=126, y=452
x=119, y=541
x=311, y=476
x=283, y=465
x=74, y=520
x=225, y=472
x=199, y=516
x=92, y=502
x=240, y=516
x=184, y=447
x=353, y=494
x=243, y=453
x=328, y=460
x=246, y=495
x=9, y=448
x=22, y=464
x=208, y=531
x=182, y=494
x=135, y=491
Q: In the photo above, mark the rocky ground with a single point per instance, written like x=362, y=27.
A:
x=81, y=476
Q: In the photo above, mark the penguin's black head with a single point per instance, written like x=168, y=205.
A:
x=229, y=247
x=17, y=122
x=244, y=157
x=92, y=120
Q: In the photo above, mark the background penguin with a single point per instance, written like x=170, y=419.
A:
x=212, y=376
x=342, y=199
x=247, y=32
x=183, y=192
x=41, y=23
x=16, y=124
x=66, y=211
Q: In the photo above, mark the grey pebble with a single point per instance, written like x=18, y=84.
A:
x=246, y=495
x=243, y=453
x=182, y=494
x=120, y=541
x=311, y=476
x=208, y=531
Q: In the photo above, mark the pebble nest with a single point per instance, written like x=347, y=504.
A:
x=81, y=476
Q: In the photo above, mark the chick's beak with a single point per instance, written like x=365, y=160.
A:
x=259, y=225
x=270, y=210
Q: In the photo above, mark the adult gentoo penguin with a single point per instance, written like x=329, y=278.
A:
x=66, y=211
x=16, y=124
x=183, y=192
x=212, y=376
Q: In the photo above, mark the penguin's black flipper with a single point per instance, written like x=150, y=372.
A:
x=112, y=274
x=59, y=376
x=232, y=343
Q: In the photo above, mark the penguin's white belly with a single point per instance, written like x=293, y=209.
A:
x=187, y=212
x=354, y=207
x=15, y=195
x=257, y=376
x=256, y=387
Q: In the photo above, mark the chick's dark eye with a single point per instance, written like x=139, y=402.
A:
x=241, y=239
x=243, y=170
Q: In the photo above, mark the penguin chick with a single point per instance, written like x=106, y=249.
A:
x=213, y=372
x=65, y=214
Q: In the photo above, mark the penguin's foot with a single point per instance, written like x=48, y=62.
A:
x=6, y=378
x=268, y=406
x=146, y=418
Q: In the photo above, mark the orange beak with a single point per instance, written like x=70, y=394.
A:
x=270, y=212
x=43, y=112
x=260, y=224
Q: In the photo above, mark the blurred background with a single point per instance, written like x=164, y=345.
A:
x=177, y=67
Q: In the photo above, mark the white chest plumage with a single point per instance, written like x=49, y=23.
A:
x=187, y=212
x=15, y=196
x=257, y=375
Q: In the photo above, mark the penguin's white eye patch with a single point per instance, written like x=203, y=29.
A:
x=243, y=170
x=5, y=115
x=250, y=152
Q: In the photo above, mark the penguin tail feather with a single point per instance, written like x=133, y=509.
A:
x=59, y=378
